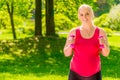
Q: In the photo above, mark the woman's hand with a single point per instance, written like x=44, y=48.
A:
x=101, y=41
x=71, y=39
x=104, y=43
x=69, y=45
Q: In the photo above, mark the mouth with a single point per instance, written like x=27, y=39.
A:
x=85, y=19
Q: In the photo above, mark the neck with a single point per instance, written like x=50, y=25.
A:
x=87, y=26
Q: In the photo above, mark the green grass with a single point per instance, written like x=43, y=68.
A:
x=8, y=36
x=111, y=64
x=42, y=59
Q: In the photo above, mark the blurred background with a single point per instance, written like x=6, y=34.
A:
x=33, y=34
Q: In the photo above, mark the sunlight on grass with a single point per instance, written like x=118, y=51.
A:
x=18, y=52
x=114, y=40
x=6, y=57
x=8, y=76
x=10, y=36
x=53, y=77
x=4, y=36
x=110, y=78
x=50, y=60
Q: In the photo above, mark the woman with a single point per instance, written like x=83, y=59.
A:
x=86, y=42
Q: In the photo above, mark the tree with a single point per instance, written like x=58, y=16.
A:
x=10, y=9
x=16, y=7
x=50, y=25
x=103, y=7
x=38, y=14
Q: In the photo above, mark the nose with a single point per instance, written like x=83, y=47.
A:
x=84, y=17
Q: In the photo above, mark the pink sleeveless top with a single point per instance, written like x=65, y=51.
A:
x=86, y=58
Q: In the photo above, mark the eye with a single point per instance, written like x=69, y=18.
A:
x=87, y=13
x=81, y=14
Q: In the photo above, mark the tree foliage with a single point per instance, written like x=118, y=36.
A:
x=21, y=7
x=15, y=7
x=70, y=7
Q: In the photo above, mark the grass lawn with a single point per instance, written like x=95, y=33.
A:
x=43, y=59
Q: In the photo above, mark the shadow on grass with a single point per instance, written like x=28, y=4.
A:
x=39, y=56
x=42, y=56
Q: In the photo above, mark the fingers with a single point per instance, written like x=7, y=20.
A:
x=72, y=38
x=101, y=41
x=72, y=35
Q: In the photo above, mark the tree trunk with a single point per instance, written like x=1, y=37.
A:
x=38, y=14
x=11, y=18
x=50, y=25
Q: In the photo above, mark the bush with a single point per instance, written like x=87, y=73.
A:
x=108, y=31
x=4, y=20
x=18, y=20
x=110, y=20
x=63, y=23
x=101, y=21
x=26, y=27
x=114, y=17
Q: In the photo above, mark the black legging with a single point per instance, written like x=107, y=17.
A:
x=75, y=76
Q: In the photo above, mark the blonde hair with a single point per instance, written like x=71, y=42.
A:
x=87, y=7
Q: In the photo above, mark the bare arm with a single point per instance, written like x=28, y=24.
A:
x=67, y=48
x=104, y=41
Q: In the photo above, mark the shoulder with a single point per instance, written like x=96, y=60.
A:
x=73, y=30
x=102, y=31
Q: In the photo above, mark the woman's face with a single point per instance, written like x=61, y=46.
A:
x=85, y=15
